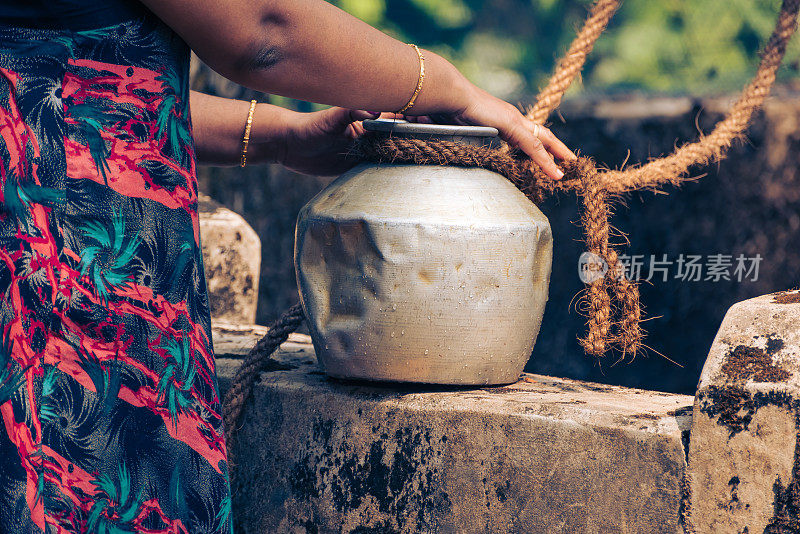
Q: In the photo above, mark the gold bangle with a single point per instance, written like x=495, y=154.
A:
x=246, y=138
x=419, y=81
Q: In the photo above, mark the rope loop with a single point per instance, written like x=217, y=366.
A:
x=248, y=372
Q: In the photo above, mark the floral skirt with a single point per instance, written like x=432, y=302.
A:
x=109, y=401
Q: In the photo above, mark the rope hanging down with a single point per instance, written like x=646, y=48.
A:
x=613, y=300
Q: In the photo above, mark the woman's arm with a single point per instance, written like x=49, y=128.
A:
x=311, y=50
x=311, y=143
x=218, y=127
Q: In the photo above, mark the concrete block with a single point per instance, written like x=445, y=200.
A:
x=232, y=260
x=744, y=454
x=544, y=455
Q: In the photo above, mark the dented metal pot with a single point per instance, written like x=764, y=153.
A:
x=423, y=273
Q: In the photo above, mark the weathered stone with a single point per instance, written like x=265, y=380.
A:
x=544, y=455
x=744, y=454
x=232, y=260
x=236, y=340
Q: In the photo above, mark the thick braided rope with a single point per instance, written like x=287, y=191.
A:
x=528, y=178
x=595, y=223
x=572, y=63
x=628, y=333
x=380, y=148
x=607, y=325
x=671, y=169
x=254, y=363
x=630, y=336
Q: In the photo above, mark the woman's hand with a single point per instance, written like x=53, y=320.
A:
x=317, y=143
x=483, y=109
x=310, y=143
x=535, y=140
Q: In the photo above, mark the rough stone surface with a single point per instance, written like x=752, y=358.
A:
x=544, y=455
x=744, y=454
x=232, y=260
x=236, y=340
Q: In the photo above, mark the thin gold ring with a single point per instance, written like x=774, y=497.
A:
x=536, y=130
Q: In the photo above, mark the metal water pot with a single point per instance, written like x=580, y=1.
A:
x=423, y=273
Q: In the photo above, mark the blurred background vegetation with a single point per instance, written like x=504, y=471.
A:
x=509, y=47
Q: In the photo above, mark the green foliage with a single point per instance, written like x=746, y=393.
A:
x=509, y=47
x=682, y=45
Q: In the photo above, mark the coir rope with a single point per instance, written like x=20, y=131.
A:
x=613, y=300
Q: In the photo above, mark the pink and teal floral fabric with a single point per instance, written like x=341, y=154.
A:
x=109, y=404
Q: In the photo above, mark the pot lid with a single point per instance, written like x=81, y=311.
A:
x=402, y=127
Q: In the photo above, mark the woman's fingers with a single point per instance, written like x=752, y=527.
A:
x=553, y=144
x=338, y=120
x=519, y=131
x=360, y=115
x=356, y=126
x=354, y=130
x=521, y=137
x=541, y=157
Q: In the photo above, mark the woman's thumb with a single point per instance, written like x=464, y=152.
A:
x=339, y=118
x=360, y=115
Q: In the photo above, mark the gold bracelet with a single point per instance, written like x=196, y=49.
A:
x=246, y=138
x=419, y=81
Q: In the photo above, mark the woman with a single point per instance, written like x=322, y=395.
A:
x=108, y=395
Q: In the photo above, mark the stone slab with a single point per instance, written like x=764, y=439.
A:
x=744, y=455
x=232, y=340
x=232, y=261
x=544, y=455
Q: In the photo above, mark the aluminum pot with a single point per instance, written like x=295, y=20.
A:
x=423, y=273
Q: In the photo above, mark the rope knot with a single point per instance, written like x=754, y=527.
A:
x=609, y=327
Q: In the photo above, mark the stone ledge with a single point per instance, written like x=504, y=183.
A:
x=542, y=455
